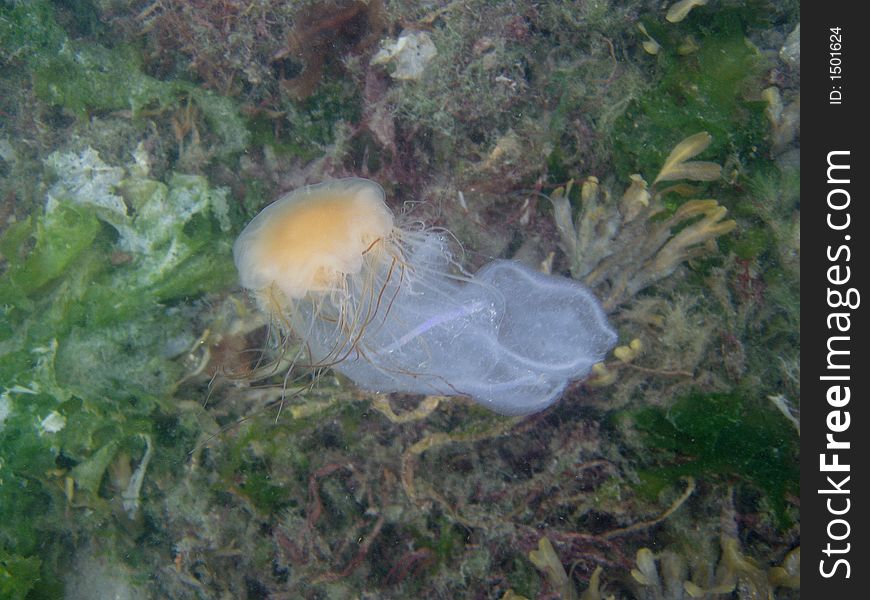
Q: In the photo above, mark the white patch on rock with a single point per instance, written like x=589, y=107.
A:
x=409, y=54
x=53, y=423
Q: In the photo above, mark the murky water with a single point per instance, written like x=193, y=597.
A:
x=161, y=438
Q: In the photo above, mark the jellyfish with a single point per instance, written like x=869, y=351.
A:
x=388, y=305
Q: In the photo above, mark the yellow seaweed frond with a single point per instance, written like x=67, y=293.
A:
x=628, y=353
x=742, y=567
x=676, y=167
x=546, y=560
x=563, y=219
x=688, y=46
x=646, y=573
x=680, y=10
x=696, y=591
x=650, y=46
x=601, y=375
x=686, y=243
x=593, y=591
x=788, y=574
x=621, y=247
x=635, y=198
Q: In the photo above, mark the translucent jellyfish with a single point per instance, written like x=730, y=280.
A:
x=388, y=307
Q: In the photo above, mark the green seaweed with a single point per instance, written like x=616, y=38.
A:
x=87, y=343
x=723, y=435
x=18, y=575
x=708, y=90
x=58, y=240
x=85, y=77
x=309, y=127
x=28, y=29
x=267, y=497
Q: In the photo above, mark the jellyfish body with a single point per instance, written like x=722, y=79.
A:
x=385, y=306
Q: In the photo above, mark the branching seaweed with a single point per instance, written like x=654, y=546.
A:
x=625, y=246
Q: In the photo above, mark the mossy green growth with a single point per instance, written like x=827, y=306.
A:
x=722, y=435
x=24, y=502
x=267, y=497
x=92, y=320
x=85, y=77
x=711, y=89
x=28, y=29
x=445, y=539
x=450, y=540
x=58, y=240
x=524, y=578
x=309, y=126
x=18, y=575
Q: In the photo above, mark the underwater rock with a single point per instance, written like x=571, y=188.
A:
x=790, y=53
x=95, y=573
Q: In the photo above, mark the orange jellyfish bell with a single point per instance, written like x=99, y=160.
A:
x=310, y=239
